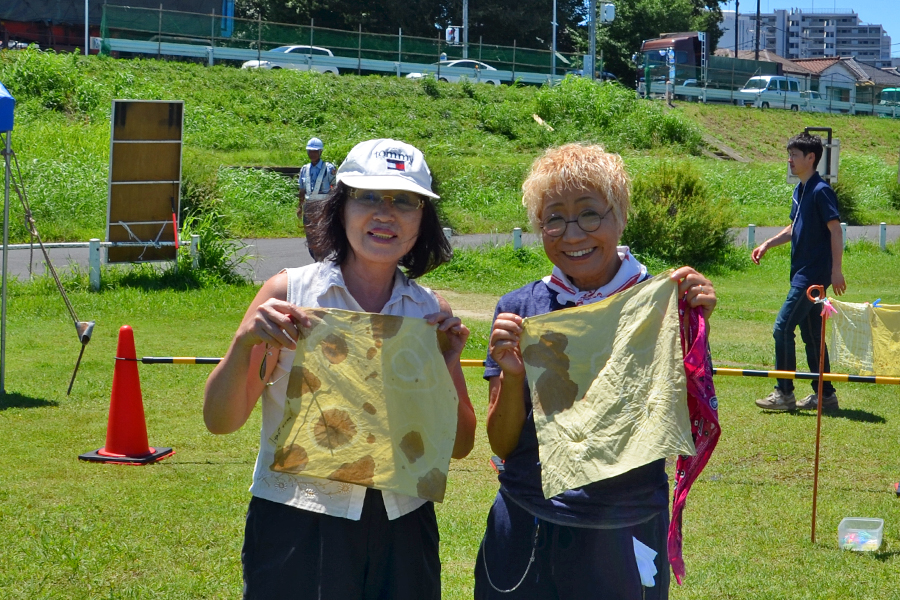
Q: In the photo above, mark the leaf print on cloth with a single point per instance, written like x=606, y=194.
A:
x=610, y=391
x=370, y=401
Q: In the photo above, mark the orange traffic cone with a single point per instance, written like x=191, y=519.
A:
x=126, y=430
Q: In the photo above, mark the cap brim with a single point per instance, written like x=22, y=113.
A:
x=384, y=182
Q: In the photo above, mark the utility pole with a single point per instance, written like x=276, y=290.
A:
x=553, y=58
x=757, y=31
x=592, y=50
x=465, y=28
x=736, y=29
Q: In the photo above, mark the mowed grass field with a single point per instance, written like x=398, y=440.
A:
x=173, y=530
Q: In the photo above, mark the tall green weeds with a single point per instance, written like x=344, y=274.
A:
x=580, y=108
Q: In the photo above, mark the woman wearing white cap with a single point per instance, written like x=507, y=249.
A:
x=311, y=537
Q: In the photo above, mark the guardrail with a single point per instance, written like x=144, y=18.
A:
x=342, y=63
x=95, y=244
x=712, y=95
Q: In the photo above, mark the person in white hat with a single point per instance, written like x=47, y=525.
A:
x=316, y=181
x=314, y=537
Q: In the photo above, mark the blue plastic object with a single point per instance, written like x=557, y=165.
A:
x=7, y=105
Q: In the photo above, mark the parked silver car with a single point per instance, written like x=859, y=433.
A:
x=480, y=72
x=309, y=52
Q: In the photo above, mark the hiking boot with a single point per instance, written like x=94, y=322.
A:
x=778, y=400
x=829, y=402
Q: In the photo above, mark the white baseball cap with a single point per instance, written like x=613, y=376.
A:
x=315, y=144
x=386, y=164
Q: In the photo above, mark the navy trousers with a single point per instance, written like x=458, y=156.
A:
x=799, y=311
x=570, y=563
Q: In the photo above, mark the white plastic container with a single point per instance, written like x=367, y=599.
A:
x=860, y=534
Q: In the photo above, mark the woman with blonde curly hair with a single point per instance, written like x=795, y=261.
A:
x=580, y=543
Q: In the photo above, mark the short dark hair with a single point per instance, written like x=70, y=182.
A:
x=326, y=234
x=807, y=144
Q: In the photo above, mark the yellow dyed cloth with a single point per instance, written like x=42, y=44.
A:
x=865, y=339
x=369, y=401
x=607, y=385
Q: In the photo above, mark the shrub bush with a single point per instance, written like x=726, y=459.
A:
x=675, y=219
x=893, y=191
x=848, y=201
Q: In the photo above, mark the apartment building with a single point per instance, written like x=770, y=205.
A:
x=795, y=34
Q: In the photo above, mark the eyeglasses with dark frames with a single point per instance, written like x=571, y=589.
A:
x=403, y=201
x=588, y=220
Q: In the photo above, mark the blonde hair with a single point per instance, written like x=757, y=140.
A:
x=578, y=167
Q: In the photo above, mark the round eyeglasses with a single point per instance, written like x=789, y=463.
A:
x=403, y=201
x=588, y=220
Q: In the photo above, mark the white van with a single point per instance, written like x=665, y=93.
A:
x=774, y=91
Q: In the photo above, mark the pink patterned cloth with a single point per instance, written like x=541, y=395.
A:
x=703, y=408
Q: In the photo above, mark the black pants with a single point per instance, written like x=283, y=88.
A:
x=293, y=553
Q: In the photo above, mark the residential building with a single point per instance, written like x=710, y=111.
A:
x=799, y=34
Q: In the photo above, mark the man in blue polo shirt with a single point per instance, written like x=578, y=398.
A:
x=816, y=252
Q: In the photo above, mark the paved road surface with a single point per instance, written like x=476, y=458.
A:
x=268, y=256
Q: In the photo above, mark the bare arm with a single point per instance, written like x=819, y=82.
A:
x=782, y=237
x=457, y=335
x=506, y=392
x=235, y=385
x=837, y=257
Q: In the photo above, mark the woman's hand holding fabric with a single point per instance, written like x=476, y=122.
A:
x=504, y=344
x=697, y=290
x=457, y=333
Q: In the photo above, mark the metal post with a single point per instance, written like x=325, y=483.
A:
x=195, y=251
x=7, y=153
x=514, y=62
x=399, y=49
x=465, y=28
x=448, y=232
x=736, y=29
x=258, y=38
x=212, y=38
x=159, y=35
x=86, y=35
x=882, y=236
x=479, y=58
x=309, y=57
x=359, y=52
x=94, y=264
x=553, y=51
x=517, y=238
x=844, y=234
x=751, y=236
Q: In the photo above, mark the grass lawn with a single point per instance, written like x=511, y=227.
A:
x=174, y=530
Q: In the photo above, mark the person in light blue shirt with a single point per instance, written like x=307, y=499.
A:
x=316, y=181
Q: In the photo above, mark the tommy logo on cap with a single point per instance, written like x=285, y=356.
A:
x=395, y=157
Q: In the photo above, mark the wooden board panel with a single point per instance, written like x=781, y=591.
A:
x=143, y=120
x=145, y=146
x=117, y=233
x=146, y=162
x=142, y=201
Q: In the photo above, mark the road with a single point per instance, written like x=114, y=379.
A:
x=268, y=256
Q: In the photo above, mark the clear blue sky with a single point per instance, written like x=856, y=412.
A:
x=879, y=12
